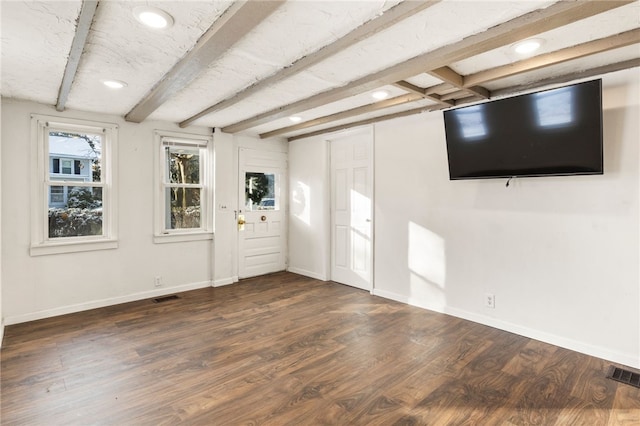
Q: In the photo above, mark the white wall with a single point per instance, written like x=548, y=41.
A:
x=560, y=253
x=1, y=313
x=37, y=287
x=309, y=217
x=226, y=242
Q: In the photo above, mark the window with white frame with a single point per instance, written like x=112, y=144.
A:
x=73, y=185
x=185, y=195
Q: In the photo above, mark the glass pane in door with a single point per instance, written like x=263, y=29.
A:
x=260, y=191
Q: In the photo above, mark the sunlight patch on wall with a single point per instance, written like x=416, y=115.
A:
x=360, y=232
x=427, y=263
x=301, y=202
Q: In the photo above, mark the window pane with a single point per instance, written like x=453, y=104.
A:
x=182, y=208
x=183, y=165
x=66, y=167
x=260, y=191
x=56, y=196
x=77, y=211
x=85, y=149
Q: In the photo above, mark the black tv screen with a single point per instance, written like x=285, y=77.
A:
x=552, y=132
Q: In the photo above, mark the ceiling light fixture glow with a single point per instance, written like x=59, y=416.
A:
x=295, y=119
x=380, y=94
x=114, y=84
x=153, y=17
x=527, y=46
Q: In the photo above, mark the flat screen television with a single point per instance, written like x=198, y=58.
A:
x=548, y=133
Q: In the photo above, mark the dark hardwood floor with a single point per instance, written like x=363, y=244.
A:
x=285, y=349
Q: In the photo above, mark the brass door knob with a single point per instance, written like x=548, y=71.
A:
x=241, y=221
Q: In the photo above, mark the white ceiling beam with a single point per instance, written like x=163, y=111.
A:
x=563, y=55
x=390, y=17
x=87, y=12
x=239, y=19
x=525, y=26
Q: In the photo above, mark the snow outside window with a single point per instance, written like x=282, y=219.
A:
x=74, y=186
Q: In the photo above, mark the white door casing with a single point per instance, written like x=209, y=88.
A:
x=262, y=237
x=352, y=210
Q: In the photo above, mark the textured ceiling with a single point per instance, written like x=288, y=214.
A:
x=330, y=92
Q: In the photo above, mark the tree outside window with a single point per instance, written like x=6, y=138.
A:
x=75, y=207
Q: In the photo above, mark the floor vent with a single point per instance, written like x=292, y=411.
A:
x=624, y=376
x=165, y=298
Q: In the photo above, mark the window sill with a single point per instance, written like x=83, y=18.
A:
x=72, y=247
x=180, y=238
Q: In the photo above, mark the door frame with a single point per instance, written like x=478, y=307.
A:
x=370, y=131
x=240, y=203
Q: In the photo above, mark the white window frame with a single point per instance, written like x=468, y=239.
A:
x=205, y=144
x=41, y=244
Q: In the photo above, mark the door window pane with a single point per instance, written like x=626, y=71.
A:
x=260, y=191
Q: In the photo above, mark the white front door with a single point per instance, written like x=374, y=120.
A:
x=261, y=215
x=351, y=210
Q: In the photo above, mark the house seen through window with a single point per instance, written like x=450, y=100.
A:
x=74, y=184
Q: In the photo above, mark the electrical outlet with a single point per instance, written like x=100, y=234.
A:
x=490, y=300
x=158, y=281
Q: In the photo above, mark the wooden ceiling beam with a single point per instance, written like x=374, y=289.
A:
x=605, y=69
x=85, y=19
x=458, y=94
x=390, y=17
x=522, y=27
x=411, y=88
x=448, y=75
x=570, y=53
x=240, y=18
x=618, y=66
x=376, y=106
x=368, y=121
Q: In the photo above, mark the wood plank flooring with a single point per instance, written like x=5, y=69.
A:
x=289, y=350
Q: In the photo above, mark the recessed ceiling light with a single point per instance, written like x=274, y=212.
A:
x=380, y=94
x=527, y=46
x=295, y=118
x=114, y=84
x=153, y=17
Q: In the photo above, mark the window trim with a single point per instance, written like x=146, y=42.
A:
x=204, y=143
x=40, y=242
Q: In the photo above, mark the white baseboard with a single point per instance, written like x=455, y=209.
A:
x=563, y=342
x=1, y=333
x=69, y=309
x=306, y=273
x=225, y=281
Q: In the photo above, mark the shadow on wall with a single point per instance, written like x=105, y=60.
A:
x=427, y=265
